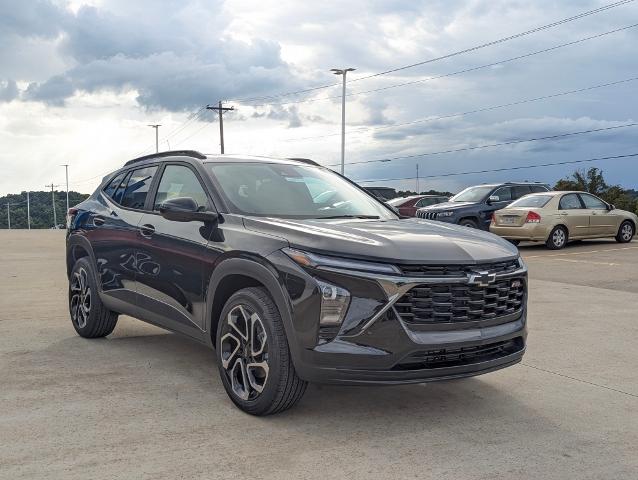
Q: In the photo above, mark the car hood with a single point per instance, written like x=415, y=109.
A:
x=447, y=206
x=400, y=241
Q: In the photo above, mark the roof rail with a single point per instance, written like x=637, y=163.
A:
x=170, y=153
x=305, y=160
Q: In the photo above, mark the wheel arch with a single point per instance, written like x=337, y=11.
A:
x=233, y=274
x=78, y=247
x=470, y=216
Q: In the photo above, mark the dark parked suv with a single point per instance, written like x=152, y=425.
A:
x=473, y=207
x=293, y=274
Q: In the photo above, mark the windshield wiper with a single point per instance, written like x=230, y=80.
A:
x=370, y=217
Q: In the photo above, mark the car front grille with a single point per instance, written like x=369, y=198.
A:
x=427, y=215
x=458, y=270
x=453, y=303
x=452, y=357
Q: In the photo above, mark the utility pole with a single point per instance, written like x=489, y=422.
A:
x=220, y=111
x=66, y=168
x=9, y=215
x=28, y=212
x=417, y=178
x=55, y=218
x=156, y=127
x=343, y=72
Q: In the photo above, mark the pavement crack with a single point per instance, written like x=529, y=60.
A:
x=579, y=380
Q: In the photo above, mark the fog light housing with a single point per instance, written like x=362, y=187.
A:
x=334, y=304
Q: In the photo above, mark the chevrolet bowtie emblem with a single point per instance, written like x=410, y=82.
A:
x=482, y=279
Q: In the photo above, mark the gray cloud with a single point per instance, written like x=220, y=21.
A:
x=171, y=64
x=8, y=90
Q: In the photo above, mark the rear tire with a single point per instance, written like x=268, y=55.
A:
x=89, y=316
x=557, y=238
x=626, y=232
x=468, y=222
x=253, y=356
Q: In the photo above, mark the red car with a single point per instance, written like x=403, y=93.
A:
x=408, y=206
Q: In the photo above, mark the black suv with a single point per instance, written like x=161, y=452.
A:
x=473, y=207
x=293, y=274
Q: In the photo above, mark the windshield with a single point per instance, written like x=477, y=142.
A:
x=472, y=194
x=531, y=201
x=292, y=191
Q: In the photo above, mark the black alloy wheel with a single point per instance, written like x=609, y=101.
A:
x=253, y=355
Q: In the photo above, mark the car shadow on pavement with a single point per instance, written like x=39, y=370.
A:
x=170, y=361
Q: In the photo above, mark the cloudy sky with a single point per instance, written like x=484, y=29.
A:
x=81, y=80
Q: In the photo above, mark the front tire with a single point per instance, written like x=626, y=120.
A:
x=557, y=238
x=626, y=232
x=468, y=222
x=253, y=356
x=89, y=316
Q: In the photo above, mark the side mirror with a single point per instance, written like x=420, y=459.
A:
x=185, y=209
x=493, y=198
x=611, y=206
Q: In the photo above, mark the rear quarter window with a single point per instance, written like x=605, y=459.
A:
x=112, y=187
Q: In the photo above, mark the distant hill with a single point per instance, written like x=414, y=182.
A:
x=41, y=208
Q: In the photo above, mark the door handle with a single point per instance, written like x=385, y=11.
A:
x=147, y=230
x=98, y=220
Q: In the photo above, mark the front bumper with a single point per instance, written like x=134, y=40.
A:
x=382, y=349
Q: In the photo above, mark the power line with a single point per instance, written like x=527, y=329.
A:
x=505, y=169
x=479, y=110
x=445, y=75
x=489, y=145
x=501, y=40
x=449, y=55
x=192, y=117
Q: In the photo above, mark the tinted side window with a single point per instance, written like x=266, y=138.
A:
x=110, y=189
x=504, y=194
x=137, y=187
x=570, y=202
x=520, y=190
x=592, y=202
x=537, y=188
x=179, y=181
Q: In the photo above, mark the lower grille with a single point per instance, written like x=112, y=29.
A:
x=452, y=357
x=450, y=303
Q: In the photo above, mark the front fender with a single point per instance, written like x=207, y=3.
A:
x=261, y=271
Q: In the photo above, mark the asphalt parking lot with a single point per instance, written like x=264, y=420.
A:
x=144, y=403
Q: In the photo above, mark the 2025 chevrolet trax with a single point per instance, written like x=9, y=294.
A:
x=293, y=274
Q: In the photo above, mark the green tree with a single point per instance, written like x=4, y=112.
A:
x=593, y=181
x=41, y=208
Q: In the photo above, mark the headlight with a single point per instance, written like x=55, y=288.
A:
x=447, y=213
x=307, y=259
x=334, y=303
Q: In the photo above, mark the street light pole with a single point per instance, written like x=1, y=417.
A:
x=156, y=127
x=417, y=178
x=343, y=72
x=66, y=168
x=9, y=215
